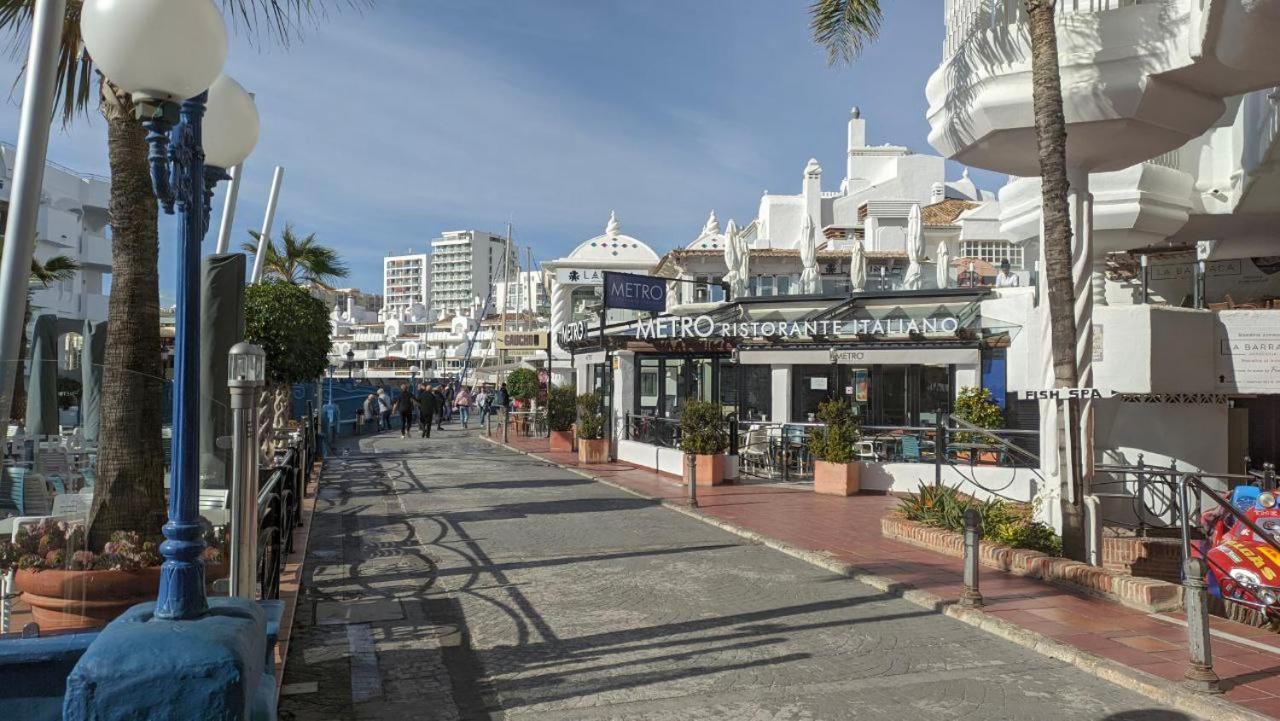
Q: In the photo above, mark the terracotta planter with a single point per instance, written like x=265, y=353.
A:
x=710, y=469
x=561, y=441
x=835, y=479
x=84, y=599
x=593, y=450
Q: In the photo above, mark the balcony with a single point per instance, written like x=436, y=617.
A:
x=1139, y=77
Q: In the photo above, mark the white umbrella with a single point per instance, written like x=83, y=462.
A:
x=744, y=264
x=808, y=257
x=915, y=249
x=731, y=260
x=858, y=268
x=943, y=265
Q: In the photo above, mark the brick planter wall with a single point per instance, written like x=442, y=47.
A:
x=1143, y=594
x=1159, y=558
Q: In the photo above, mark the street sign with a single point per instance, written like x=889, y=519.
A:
x=1058, y=394
x=635, y=292
x=526, y=340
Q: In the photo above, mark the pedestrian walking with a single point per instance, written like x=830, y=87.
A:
x=384, y=410
x=482, y=404
x=502, y=398
x=371, y=409
x=426, y=409
x=404, y=406
x=441, y=406
x=463, y=401
x=359, y=424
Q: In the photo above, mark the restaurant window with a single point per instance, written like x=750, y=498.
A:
x=810, y=385
x=707, y=289
x=703, y=379
x=993, y=251
x=854, y=385
x=889, y=384
x=935, y=394
x=674, y=387
x=647, y=388
x=756, y=392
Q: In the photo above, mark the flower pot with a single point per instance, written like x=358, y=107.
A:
x=594, y=450
x=561, y=441
x=84, y=599
x=710, y=469
x=835, y=479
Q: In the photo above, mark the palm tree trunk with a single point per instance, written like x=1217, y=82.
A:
x=1051, y=135
x=129, y=494
x=18, y=408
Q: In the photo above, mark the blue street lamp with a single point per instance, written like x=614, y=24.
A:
x=168, y=55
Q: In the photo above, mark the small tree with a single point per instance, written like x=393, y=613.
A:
x=702, y=429
x=560, y=402
x=293, y=329
x=590, y=419
x=974, y=405
x=522, y=384
x=833, y=442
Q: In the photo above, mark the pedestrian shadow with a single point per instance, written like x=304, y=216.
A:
x=521, y=485
x=1148, y=714
x=556, y=507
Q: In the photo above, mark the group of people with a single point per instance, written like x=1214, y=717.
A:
x=430, y=404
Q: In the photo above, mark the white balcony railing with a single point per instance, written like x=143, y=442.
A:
x=965, y=18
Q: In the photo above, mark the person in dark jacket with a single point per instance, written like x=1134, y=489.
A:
x=440, y=409
x=404, y=406
x=426, y=409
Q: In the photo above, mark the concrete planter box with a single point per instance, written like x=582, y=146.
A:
x=710, y=469
x=836, y=479
x=562, y=441
x=595, y=450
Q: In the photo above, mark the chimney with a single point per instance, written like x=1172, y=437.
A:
x=938, y=193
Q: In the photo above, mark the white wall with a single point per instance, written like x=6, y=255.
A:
x=667, y=460
x=1019, y=484
x=781, y=379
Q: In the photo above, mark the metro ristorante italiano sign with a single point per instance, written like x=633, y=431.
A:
x=705, y=326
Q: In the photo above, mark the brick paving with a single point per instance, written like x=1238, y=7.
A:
x=848, y=529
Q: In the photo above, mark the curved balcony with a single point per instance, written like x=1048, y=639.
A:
x=1139, y=77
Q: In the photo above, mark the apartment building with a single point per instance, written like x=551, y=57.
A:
x=465, y=265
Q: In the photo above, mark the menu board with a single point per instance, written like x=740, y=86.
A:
x=1247, y=351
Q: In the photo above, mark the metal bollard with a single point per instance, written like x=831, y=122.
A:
x=693, y=479
x=506, y=423
x=971, y=597
x=1200, y=675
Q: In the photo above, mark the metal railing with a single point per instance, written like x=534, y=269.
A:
x=654, y=430
x=966, y=18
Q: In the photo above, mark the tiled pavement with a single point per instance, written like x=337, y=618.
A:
x=849, y=530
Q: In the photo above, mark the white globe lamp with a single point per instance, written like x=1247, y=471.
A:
x=159, y=49
x=230, y=126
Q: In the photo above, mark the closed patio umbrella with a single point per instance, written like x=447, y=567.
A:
x=744, y=263
x=809, y=258
x=943, y=265
x=731, y=259
x=42, y=385
x=858, y=268
x=95, y=347
x=915, y=250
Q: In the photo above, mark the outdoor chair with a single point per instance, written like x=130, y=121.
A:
x=755, y=449
x=910, y=446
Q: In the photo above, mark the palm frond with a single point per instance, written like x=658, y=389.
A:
x=281, y=21
x=844, y=27
x=57, y=268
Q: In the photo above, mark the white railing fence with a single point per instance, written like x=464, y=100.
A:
x=965, y=18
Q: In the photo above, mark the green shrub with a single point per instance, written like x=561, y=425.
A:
x=834, y=441
x=702, y=429
x=975, y=406
x=560, y=403
x=522, y=384
x=590, y=420
x=1003, y=522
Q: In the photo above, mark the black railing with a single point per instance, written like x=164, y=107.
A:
x=656, y=431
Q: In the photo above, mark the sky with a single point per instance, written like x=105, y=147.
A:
x=412, y=117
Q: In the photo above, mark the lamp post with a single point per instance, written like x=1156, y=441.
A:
x=351, y=363
x=247, y=371
x=168, y=54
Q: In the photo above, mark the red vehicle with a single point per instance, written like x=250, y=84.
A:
x=1245, y=567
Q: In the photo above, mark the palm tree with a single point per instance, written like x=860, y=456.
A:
x=844, y=27
x=56, y=269
x=298, y=261
x=129, y=494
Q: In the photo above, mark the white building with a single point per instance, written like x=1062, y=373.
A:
x=73, y=221
x=525, y=293
x=406, y=280
x=465, y=265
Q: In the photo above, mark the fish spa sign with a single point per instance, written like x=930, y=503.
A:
x=704, y=326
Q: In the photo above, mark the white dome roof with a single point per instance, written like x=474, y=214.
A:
x=710, y=238
x=614, y=246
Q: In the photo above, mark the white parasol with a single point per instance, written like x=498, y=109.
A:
x=731, y=259
x=915, y=249
x=809, y=257
x=943, y=265
x=858, y=268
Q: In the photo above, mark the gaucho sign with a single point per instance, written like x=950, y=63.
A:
x=704, y=326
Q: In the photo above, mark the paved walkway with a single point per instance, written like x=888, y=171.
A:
x=448, y=578
x=848, y=530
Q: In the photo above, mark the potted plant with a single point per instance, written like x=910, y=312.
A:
x=593, y=446
x=68, y=586
x=522, y=385
x=703, y=435
x=975, y=406
x=835, y=472
x=560, y=412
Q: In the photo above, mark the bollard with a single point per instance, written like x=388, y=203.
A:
x=505, y=424
x=971, y=597
x=693, y=479
x=1200, y=675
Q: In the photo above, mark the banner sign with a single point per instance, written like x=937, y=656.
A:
x=635, y=292
x=705, y=326
x=528, y=340
x=579, y=276
x=1247, y=357
x=1059, y=394
x=572, y=332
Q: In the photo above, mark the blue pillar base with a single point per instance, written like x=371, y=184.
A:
x=141, y=666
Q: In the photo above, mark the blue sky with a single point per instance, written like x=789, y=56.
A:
x=419, y=116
